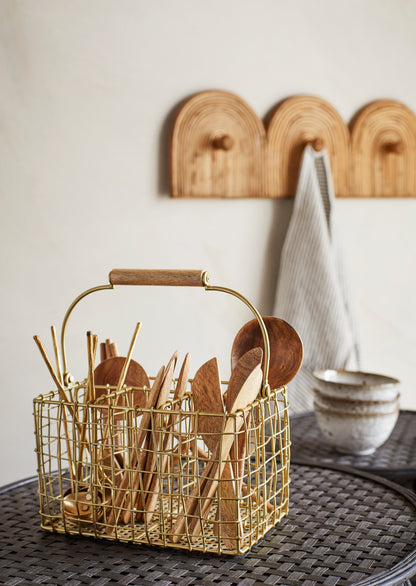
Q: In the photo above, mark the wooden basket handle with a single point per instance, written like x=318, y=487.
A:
x=158, y=277
x=166, y=278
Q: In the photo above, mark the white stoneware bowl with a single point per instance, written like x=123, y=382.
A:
x=354, y=405
x=355, y=433
x=360, y=386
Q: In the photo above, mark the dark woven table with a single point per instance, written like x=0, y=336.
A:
x=343, y=527
x=395, y=460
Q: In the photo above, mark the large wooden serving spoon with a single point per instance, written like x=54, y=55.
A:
x=286, y=349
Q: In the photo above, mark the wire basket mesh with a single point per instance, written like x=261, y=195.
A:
x=113, y=464
x=98, y=478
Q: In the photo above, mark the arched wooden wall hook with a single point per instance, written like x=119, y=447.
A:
x=217, y=148
x=296, y=122
x=383, y=151
x=220, y=148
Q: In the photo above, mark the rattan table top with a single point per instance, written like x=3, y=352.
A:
x=396, y=459
x=344, y=527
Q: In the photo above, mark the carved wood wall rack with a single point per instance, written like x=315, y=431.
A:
x=221, y=149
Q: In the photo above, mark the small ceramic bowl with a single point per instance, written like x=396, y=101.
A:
x=355, y=433
x=360, y=386
x=354, y=405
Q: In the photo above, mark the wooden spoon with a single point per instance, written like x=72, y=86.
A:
x=109, y=371
x=286, y=349
x=204, y=493
x=117, y=371
x=239, y=375
x=207, y=398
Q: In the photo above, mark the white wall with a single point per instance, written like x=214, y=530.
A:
x=88, y=90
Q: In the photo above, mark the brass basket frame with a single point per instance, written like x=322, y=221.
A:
x=101, y=431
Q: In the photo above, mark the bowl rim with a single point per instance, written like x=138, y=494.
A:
x=362, y=403
x=388, y=380
x=353, y=414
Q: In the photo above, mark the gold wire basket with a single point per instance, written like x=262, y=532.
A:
x=111, y=469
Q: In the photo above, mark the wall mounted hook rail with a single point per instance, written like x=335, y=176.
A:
x=220, y=148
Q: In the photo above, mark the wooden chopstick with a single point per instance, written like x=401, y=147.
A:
x=57, y=356
x=64, y=399
x=92, y=341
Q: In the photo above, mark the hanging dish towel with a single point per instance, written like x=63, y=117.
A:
x=312, y=290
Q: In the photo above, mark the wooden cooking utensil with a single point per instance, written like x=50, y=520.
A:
x=207, y=398
x=148, y=468
x=109, y=371
x=145, y=464
x=214, y=469
x=108, y=349
x=89, y=396
x=248, y=393
x=121, y=493
x=138, y=460
x=57, y=355
x=116, y=371
x=79, y=505
x=66, y=403
x=239, y=375
x=286, y=349
x=180, y=389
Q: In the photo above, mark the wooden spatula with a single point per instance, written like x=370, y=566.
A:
x=180, y=389
x=238, y=377
x=215, y=467
x=248, y=393
x=154, y=436
x=121, y=493
x=207, y=398
x=145, y=466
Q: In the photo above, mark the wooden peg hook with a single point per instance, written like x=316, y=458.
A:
x=316, y=143
x=223, y=142
x=396, y=147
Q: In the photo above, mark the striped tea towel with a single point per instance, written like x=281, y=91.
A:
x=312, y=289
